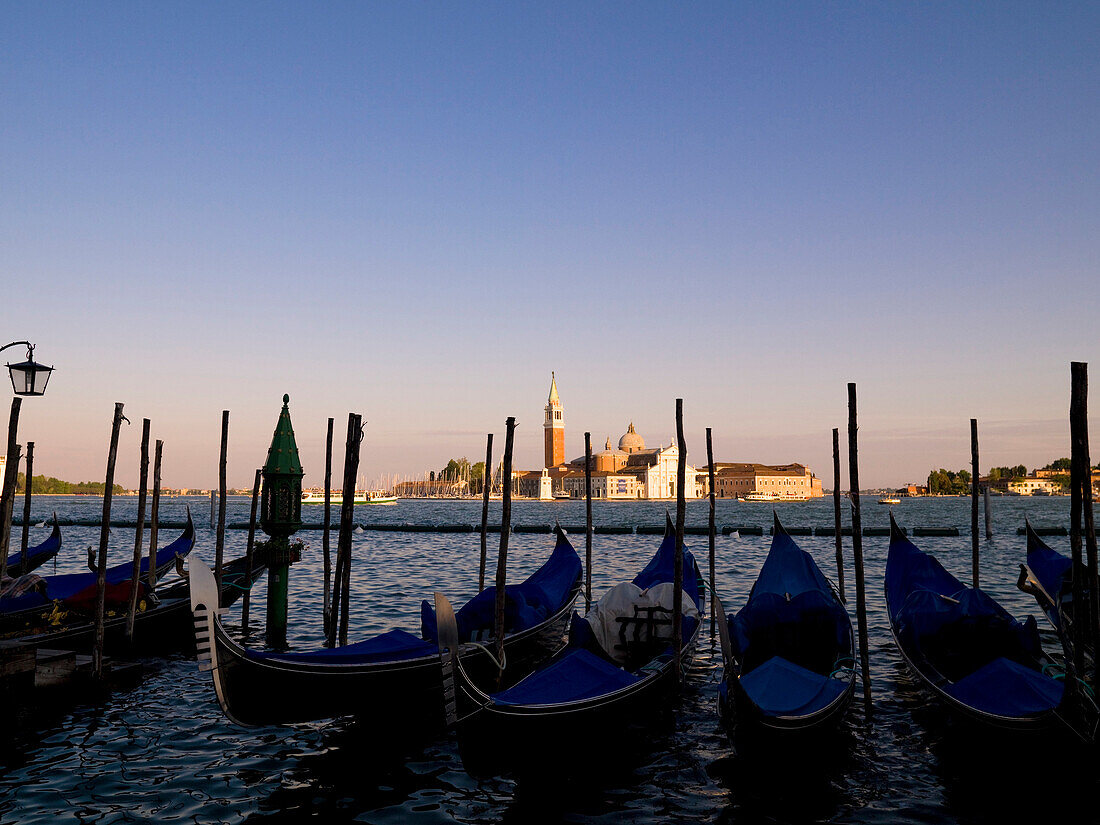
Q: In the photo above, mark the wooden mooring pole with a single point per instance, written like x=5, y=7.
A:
x=486, y=489
x=838, y=538
x=219, y=545
x=347, y=524
x=104, y=535
x=326, y=610
x=587, y=522
x=139, y=533
x=11, y=477
x=712, y=533
x=678, y=562
x=1082, y=529
x=988, y=513
x=857, y=546
x=27, y=504
x=154, y=517
x=246, y=599
x=505, y=529
x=974, y=500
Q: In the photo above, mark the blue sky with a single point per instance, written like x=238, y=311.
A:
x=417, y=211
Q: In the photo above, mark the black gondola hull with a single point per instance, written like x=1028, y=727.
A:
x=268, y=691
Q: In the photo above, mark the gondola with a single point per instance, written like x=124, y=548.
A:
x=963, y=647
x=161, y=624
x=18, y=564
x=617, y=664
x=789, y=652
x=395, y=674
x=77, y=591
x=1048, y=576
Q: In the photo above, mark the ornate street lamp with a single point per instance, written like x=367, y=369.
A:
x=29, y=377
x=280, y=516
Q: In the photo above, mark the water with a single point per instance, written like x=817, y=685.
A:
x=163, y=750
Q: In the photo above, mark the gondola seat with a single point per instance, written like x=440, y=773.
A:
x=1007, y=688
x=579, y=674
x=782, y=688
x=393, y=645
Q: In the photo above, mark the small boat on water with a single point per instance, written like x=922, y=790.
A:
x=617, y=665
x=789, y=652
x=964, y=648
x=336, y=497
x=773, y=496
x=77, y=591
x=889, y=500
x=393, y=675
x=36, y=556
x=162, y=622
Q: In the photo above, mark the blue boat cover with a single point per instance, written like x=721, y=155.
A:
x=794, y=626
x=391, y=646
x=782, y=688
x=525, y=605
x=1007, y=688
x=660, y=569
x=578, y=674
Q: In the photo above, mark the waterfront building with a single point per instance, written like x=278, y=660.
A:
x=735, y=480
x=630, y=471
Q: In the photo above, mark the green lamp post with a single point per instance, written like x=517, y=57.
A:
x=280, y=516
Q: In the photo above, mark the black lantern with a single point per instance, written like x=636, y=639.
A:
x=281, y=500
x=28, y=377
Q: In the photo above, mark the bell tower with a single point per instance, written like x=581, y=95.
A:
x=553, y=428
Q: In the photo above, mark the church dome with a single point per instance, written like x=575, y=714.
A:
x=631, y=442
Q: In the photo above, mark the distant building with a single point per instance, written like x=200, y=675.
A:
x=913, y=490
x=632, y=471
x=1031, y=486
x=733, y=480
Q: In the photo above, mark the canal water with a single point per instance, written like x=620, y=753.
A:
x=161, y=750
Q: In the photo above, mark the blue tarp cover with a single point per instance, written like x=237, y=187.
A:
x=660, y=569
x=793, y=627
x=782, y=688
x=525, y=605
x=391, y=646
x=576, y=675
x=1007, y=688
x=910, y=568
x=47, y=548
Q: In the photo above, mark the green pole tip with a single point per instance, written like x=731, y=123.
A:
x=286, y=398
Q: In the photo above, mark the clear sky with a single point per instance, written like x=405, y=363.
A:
x=416, y=211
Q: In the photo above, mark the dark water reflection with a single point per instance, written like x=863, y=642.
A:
x=162, y=750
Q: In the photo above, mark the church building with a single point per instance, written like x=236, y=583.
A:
x=632, y=471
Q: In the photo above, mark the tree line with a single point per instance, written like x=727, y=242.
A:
x=945, y=482
x=50, y=485
x=460, y=469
